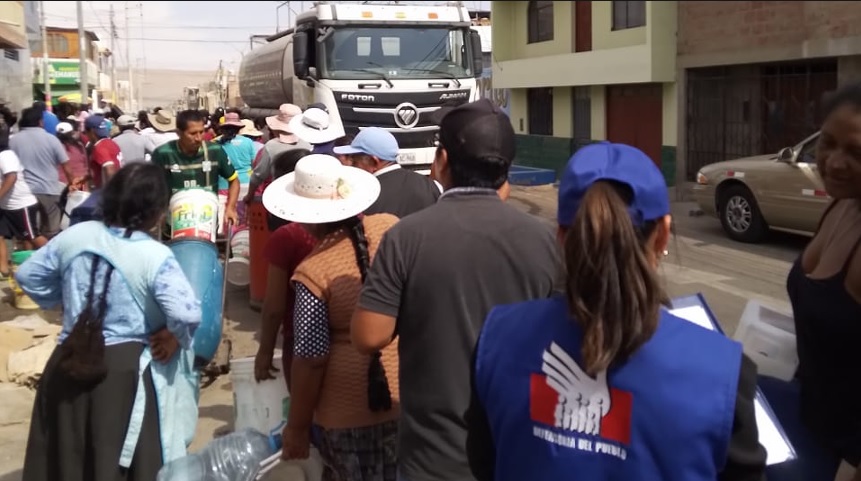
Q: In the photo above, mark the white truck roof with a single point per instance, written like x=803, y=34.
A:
x=444, y=14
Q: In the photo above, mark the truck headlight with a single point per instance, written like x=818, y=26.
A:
x=702, y=179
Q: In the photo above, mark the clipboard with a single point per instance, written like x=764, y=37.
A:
x=694, y=308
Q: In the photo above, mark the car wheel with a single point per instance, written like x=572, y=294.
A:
x=740, y=215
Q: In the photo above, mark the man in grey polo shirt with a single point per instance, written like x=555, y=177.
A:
x=40, y=154
x=436, y=276
x=132, y=144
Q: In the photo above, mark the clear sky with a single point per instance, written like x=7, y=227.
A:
x=184, y=35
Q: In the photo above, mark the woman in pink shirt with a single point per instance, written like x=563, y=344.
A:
x=70, y=138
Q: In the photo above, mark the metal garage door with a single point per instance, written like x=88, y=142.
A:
x=744, y=110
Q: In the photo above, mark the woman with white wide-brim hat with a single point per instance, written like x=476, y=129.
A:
x=349, y=397
x=314, y=126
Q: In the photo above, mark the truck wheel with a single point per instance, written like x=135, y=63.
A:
x=740, y=215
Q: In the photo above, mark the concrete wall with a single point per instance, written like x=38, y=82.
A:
x=16, y=89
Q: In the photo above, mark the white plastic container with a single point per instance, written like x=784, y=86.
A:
x=258, y=405
x=768, y=337
x=240, y=244
x=74, y=199
x=239, y=272
x=194, y=215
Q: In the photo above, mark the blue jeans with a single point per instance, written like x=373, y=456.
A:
x=814, y=461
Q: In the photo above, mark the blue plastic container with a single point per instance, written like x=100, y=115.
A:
x=199, y=262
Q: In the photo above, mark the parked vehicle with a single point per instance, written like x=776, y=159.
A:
x=753, y=195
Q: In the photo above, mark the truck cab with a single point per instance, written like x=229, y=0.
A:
x=388, y=66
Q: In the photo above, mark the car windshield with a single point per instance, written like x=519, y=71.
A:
x=394, y=53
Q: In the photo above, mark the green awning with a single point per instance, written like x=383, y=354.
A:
x=73, y=92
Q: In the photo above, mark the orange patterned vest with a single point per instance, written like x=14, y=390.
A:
x=331, y=272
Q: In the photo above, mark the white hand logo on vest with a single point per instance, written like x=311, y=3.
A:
x=570, y=401
x=583, y=401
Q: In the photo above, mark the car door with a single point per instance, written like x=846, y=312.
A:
x=797, y=190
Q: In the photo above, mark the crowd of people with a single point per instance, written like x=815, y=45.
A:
x=431, y=331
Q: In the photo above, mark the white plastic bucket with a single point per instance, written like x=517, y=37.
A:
x=239, y=271
x=240, y=244
x=258, y=405
x=194, y=215
x=74, y=199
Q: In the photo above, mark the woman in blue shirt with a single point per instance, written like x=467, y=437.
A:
x=125, y=300
x=603, y=383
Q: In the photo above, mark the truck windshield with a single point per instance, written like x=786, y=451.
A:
x=394, y=53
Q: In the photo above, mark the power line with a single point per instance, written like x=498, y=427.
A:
x=187, y=40
x=164, y=27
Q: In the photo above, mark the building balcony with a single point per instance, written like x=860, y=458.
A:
x=641, y=54
x=13, y=26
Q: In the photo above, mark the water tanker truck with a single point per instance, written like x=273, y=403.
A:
x=387, y=66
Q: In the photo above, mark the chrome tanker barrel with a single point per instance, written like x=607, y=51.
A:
x=266, y=76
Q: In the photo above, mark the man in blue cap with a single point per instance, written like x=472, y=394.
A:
x=105, y=156
x=402, y=191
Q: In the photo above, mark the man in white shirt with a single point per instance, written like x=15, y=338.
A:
x=19, y=208
x=161, y=131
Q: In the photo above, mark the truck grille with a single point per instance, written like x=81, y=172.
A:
x=378, y=109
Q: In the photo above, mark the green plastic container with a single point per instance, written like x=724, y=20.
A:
x=21, y=299
x=19, y=257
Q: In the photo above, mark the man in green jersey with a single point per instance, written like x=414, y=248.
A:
x=189, y=162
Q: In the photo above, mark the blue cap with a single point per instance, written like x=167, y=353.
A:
x=372, y=141
x=98, y=124
x=614, y=162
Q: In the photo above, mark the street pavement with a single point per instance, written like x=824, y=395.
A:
x=701, y=259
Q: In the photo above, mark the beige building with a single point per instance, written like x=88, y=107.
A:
x=19, y=26
x=586, y=71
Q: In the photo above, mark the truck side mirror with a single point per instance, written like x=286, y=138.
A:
x=301, y=62
x=477, y=58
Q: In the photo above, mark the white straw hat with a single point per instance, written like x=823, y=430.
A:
x=321, y=190
x=313, y=127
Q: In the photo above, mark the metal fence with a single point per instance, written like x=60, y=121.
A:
x=744, y=110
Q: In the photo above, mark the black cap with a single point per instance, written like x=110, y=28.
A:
x=476, y=130
x=318, y=105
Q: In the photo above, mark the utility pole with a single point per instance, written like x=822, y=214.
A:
x=219, y=78
x=129, y=60
x=82, y=54
x=142, y=66
x=46, y=77
x=114, y=82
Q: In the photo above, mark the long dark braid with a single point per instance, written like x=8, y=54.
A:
x=379, y=394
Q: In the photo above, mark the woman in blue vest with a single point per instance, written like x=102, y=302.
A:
x=602, y=383
x=116, y=397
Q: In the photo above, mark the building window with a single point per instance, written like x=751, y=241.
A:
x=629, y=15
x=57, y=43
x=540, y=18
x=539, y=109
x=582, y=107
x=11, y=54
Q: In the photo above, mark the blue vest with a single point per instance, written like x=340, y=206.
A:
x=665, y=415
